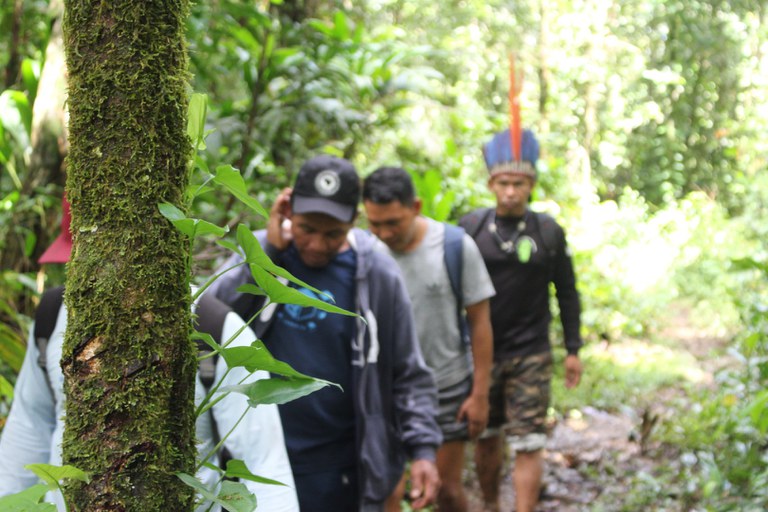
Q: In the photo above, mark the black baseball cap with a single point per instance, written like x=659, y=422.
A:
x=327, y=184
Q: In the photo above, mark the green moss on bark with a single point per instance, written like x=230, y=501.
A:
x=128, y=362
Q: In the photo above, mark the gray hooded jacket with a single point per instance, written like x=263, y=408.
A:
x=395, y=395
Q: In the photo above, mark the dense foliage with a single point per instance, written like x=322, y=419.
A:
x=651, y=115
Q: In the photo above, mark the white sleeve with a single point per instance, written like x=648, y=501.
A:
x=258, y=439
x=26, y=438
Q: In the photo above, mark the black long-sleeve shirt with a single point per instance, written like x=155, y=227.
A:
x=520, y=312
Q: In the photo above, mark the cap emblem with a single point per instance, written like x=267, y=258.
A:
x=327, y=182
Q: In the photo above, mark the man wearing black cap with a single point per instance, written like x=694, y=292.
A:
x=347, y=448
x=524, y=251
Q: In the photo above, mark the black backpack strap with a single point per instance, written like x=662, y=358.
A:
x=547, y=228
x=474, y=221
x=211, y=313
x=45, y=321
x=453, y=255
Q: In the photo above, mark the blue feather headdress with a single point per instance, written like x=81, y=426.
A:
x=500, y=157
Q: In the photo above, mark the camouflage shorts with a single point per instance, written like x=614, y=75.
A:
x=519, y=395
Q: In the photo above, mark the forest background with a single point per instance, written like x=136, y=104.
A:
x=652, y=117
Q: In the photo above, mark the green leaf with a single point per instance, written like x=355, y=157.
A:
x=233, y=496
x=52, y=475
x=15, y=115
x=27, y=500
x=231, y=179
x=231, y=246
x=197, y=486
x=257, y=357
x=30, y=74
x=266, y=269
x=284, y=294
x=30, y=241
x=251, y=289
x=206, y=338
x=341, y=27
x=6, y=389
x=11, y=349
x=758, y=411
x=444, y=206
x=189, y=226
x=237, y=469
x=198, y=107
x=277, y=390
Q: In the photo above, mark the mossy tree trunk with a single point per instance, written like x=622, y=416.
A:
x=128, y=362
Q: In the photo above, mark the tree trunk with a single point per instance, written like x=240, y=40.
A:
x=128, y=361
x=14, y=58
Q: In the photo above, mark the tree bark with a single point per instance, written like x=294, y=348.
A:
x=128, y=361
x=14, y=57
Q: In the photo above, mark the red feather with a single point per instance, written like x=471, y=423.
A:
x=515, y=130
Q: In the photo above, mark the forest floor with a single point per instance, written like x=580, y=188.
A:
x=593, y=456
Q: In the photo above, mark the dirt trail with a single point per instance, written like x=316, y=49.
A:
x=596, y=454
x=585, y=457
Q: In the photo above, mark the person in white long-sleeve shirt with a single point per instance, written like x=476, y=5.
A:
x=35, y=424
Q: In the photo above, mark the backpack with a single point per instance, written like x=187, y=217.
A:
x=211, y=313
x=453, y=256
x=474, y=221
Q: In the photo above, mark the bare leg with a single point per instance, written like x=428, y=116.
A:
x=393, y=502
x=450, y=462
x=527, y=476
x=489, y=457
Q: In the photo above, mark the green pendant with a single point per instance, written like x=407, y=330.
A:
x=524, y=250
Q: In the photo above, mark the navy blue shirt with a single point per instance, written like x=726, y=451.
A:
x=319, y=428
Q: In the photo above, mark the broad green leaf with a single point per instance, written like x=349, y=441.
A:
x=201, y=164
x=197, y=485
x=255, y=255
x=284, y=294
x=203, y=227
x=237, y=469
x=758, y=411
x=171, y=212
x=231, y=179
x=11, y=349
x=206, y=338
x=321, y=26
x=6, y=389
x=231, y=246
x=235, y=497
x=251, y=289
x=30, y=241
x=257, y=357
x=189, y=226
x=277, y=390
x=14, y=111
x=30, y=73
x=341, y=27
x=444, y=206
x=246, y=39
x=53, y=474
x=198, y=106
x=27, y=500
